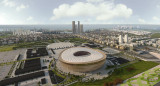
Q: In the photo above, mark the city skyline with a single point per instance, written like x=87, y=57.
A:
x=86, y=11
x=79, y=43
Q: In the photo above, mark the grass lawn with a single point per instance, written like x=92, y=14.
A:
x=21, y=45
x=34, y=44
x=73, y=40
x=6, y=48
x=121, y=73
x=58, y=74
x=144, y=79
x=155, y=35
x=29, y=44
x=5, y=36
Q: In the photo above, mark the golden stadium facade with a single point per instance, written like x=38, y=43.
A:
x=82, y=59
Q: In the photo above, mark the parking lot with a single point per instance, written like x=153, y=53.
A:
x=111, y=51
x=57, y=53
x=4, y=70
x=10, y=55
x=117, y=60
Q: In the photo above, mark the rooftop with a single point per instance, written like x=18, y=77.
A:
x=60, y=45
x=81, y=55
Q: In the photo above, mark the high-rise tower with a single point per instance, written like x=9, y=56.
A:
x=73, y=27
x=126, y=38
x=78, y=31
x=120, y=39
x=81, y=28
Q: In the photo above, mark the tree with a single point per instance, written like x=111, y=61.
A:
x=109, y=84
x=105, y=84
x=39, y=83
x=129, y=69
x=119, y=71
x=117, y=81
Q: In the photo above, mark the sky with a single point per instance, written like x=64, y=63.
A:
x=87, y=11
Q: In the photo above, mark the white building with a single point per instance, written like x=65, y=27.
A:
x=24, y=32
x=126, y=38
x=60, y=45
x=120, y=39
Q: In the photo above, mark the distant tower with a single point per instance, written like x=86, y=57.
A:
x=78, y=31
x=14, y=32
x=73, y=27
x=126, y=38
x=120, y=39
x=81, y=28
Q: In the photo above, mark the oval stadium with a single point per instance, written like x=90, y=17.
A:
x=82, y=59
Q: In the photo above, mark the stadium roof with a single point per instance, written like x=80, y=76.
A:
x=88, y=55
x=60, y=45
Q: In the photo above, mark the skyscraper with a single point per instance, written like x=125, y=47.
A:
x=73, y=27
x=81, y=28
x=78, y=31
x=126, y=38
x=77, y=28
x=120, y=39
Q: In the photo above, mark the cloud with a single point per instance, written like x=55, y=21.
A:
x=29, y=18
x=21, y=7
x=9, y=3
x=6, y=18
x=141, y=21
x=2, y=18
x=155, y=18
x=100, y=11
x=95, y=1
x=158, y=6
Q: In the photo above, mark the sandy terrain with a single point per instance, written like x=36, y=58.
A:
x=155, y=54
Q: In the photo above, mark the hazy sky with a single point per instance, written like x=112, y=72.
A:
x=86, y=11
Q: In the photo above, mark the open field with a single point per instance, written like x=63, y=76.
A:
x=77, y=41
x=21, y=45
x=6, y=48
x=30, y=44
x=155, y=35
x=121, y=73
x=5, y=36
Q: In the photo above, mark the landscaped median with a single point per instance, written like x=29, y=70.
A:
x=120, y=74
x=148, y=78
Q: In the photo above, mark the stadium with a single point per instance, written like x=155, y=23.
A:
x=82, y=59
